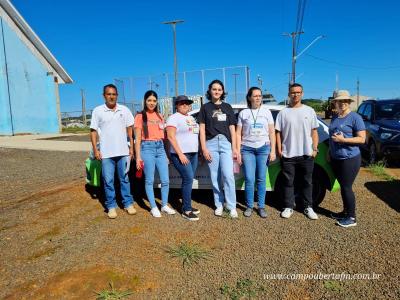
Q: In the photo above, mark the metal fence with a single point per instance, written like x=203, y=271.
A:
x=190, y=83
x=76, y=118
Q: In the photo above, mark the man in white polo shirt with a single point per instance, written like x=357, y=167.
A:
x=114, y=121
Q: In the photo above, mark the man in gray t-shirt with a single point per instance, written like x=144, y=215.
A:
x=297, y=145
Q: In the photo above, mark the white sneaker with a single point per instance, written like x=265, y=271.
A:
x=218, y=212
x=168, y=210
x=130, y=210
x=155, y=212
x=287, y=213
x=233, y=213
x=112, y=213
x=309, y=212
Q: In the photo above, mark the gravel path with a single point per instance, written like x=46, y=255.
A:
x=60, y=245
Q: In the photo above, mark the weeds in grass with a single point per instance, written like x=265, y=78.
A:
x=112, y=293
x=188, y=253
x=245, y=288
x=379, y=170
x=333, y=285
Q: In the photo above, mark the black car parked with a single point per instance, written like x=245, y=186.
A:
x=382, y=121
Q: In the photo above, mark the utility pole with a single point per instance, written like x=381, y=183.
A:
x=173, y=23
x=293, y=36
x=358, y=92
x=83, y=107
x=260, y=82
x=235, y=75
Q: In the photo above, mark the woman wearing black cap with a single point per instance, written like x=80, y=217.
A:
x=182, y=133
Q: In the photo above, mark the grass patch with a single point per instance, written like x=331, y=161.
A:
x=379, y=170
x=244, y=288
x=332, y=285
x=76, y=130
x=188, y=253
x=112, y=293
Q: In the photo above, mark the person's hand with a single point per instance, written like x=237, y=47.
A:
x=139, y=163
x=280, y=154
x=314, y=153
x=272, y=156
x=183, y=159
x=338, y=138
x=207, y=155
x=97, y=154
x=239, y=158
x=234, y=154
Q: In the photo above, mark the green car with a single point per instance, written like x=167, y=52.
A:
x=323, y=177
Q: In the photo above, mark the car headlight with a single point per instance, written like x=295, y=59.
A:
x=387, y=133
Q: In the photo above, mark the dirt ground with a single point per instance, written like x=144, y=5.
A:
x=56, y=242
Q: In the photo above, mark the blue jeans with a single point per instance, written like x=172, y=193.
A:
x=187, y=173
x=255, y=165
x=221, y=171
x=153, y=155
x=108, y=166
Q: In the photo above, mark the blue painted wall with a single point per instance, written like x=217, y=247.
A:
x=5, y=116
x=31, y=90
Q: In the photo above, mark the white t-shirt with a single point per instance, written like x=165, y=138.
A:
x=187, y=132
x=113, y=124
x=295, y=125
x=254, y=123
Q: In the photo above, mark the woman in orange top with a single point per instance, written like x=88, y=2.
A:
x=150, y=152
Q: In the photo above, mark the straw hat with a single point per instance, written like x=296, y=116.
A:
x=342, y=95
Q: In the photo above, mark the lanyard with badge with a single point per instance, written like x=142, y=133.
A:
x=256, y=129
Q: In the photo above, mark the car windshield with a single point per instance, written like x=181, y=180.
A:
x=388, y=111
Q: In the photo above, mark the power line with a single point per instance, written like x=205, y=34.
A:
x=300, y=17
x=353, y=66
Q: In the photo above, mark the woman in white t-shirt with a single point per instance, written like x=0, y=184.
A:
x=183, y=135
x=255, y=135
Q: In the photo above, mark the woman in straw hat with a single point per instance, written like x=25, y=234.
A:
x=347, y=132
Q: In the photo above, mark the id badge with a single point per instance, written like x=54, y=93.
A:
x=221, y=117
x=195, y=129
x=256, y=130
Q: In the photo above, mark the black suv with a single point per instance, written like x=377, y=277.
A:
x=382, y=121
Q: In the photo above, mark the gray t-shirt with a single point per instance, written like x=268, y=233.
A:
x=254, y=123
x=295, y=125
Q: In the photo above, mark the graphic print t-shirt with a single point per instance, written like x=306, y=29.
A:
x=217, y=119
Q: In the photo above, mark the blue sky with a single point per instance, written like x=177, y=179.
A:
x=98, y=41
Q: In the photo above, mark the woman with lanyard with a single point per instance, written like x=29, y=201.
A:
x=218, y=143
x=255, y=134
x=183, y=135
x=347, y=132
x=150, y=153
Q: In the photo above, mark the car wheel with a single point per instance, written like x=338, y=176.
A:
x=319, y=187
x=372, y=153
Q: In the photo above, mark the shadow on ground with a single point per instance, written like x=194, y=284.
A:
x=387, y=191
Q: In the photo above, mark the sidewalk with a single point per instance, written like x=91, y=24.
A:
x=38, y=142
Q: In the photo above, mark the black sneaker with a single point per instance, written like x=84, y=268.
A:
x=195, y=211
x=347, y=222
x=339, y=216
x=190, y=216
